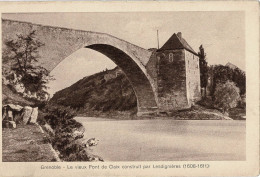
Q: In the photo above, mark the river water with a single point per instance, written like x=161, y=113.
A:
x=167, y=140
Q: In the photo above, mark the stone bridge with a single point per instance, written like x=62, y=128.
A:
x=61, y=42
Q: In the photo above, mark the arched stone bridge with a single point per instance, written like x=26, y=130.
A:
x=61, y=42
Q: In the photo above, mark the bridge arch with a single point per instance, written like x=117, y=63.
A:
x=136, y=75
x=62, y=42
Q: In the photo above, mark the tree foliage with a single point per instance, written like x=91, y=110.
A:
x=226, y=96
x=61, y=121
x=221, y=74
x=203, y=67
x=23, y=54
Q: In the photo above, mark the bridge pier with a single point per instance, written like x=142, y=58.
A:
x=144, y=111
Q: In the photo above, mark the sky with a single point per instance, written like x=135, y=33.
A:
x=222, y=35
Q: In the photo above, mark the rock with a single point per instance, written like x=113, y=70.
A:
x=34, y=115
x=90, y=142
x=78, y=134
x=226, y=114
x=5, y=81
x=27, y=114
x=10, y=115
x=29, y=94
x=19, y=88
x=48, y=129
x=96, y=159
x=14, y=107
x=34, y=95
x=12, y=124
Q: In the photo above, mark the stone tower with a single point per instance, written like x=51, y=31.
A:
x=178, y=75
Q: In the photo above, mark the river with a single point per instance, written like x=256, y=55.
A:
x=167, y=140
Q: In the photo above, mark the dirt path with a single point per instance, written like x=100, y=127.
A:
x=26, y=143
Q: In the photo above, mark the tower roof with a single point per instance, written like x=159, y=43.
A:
x=177, y=42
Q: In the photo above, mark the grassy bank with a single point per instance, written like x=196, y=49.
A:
x=26, y=143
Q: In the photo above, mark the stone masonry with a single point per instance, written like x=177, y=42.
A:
x=163, y=80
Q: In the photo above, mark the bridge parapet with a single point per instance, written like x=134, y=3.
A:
x=62, y=42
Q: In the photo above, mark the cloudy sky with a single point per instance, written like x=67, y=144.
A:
x=221, y=33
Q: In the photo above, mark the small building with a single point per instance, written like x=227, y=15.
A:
x=178, y=75
x=112, y=74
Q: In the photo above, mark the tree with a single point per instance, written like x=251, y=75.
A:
x=23, y=53
x=226, y=96
x=203, y=69
x=239, y=78
x=221, y=74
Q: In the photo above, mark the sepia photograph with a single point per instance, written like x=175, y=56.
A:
x=114, y=87
x=129, y=90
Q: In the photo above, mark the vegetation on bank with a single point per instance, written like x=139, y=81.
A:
x=62, y=135
x=220, y=74
x=227, y=91
x=223, y=87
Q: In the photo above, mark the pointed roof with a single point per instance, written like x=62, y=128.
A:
x=177, y=42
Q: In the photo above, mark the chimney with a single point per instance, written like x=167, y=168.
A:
x=179, y=35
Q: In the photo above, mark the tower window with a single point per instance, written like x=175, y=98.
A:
x=171, y=57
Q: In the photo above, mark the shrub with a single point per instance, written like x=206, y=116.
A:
x=59, y=116
x=41, y=118
x=61, y=120
x=226, y=96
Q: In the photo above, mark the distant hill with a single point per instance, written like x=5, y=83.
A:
x=109, y=90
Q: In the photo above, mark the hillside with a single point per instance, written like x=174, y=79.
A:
x=105, y=91
x=110, y=94
x=9, y=95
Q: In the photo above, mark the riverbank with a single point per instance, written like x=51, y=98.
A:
x=197, y=112
x=26, y=143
